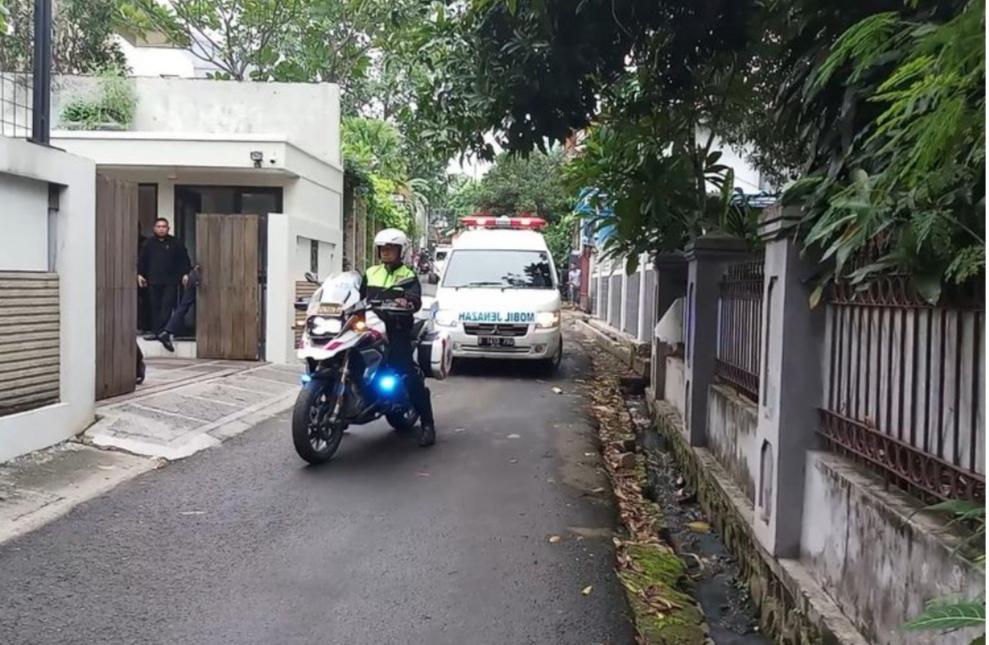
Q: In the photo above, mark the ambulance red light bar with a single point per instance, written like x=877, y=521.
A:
x=521, y=223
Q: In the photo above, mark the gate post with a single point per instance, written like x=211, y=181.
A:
x=789, y=387
x=671, y=283
x=706, y=258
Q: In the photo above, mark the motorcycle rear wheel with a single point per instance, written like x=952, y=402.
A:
x=315, y=439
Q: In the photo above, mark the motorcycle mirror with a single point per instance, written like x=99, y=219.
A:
x=311, y=277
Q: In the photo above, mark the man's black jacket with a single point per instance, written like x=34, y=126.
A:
x=163, y=260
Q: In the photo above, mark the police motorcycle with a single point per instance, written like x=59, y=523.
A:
x=344, y=345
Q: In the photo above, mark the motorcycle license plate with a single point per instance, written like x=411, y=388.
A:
x=485, y=341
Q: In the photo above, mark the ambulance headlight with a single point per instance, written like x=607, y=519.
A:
x=445, y=318
x=547, y=319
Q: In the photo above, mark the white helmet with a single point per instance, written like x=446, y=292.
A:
x=391, y=236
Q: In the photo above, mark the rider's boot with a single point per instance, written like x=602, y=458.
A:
x=427, y=430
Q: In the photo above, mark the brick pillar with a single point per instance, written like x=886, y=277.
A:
x=789, y=384
x=706, y=258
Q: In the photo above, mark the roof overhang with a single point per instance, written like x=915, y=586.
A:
x=267, y=154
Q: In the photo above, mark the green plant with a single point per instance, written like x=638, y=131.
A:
x=893, y=113
x=118, y=100
x=115, y=103
x=950, y=614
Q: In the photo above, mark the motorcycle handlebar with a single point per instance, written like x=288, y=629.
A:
x=388, y=306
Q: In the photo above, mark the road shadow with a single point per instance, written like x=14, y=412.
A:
x=499, y=368
x=376, y=447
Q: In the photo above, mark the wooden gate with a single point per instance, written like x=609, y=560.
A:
x=228, y=312
x=116, y=286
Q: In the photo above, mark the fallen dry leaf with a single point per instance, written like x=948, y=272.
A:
x=587, y=590
x=554, y=539
x=699, y=527
x=513, y=436
x=557, y=390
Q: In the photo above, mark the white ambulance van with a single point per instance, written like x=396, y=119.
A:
x=498, y=295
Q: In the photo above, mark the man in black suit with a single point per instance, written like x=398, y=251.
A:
x=162, y=265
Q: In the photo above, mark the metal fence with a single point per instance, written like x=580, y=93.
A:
x=16, y=91
x=631, y=304
x=740, y=327
x=615, y=303
x=25, y=71
x=904, y=389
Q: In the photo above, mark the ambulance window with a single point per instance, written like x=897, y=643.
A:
x=499, y=269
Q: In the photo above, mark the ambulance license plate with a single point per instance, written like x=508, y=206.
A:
x=487, y=341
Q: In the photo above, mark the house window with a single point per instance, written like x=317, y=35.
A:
x=314, y=256
x=147, y=208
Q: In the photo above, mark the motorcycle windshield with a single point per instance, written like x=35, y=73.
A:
x=343, y=289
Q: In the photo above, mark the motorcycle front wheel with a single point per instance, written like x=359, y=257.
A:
x=403, y=421
x=315, y=438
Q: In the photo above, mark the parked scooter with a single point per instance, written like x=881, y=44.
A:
x=344, y=345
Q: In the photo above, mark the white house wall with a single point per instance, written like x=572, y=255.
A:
x=157, y=61
x=24, y=222
x=308, y=114
x=74, y=252
x=288, y=259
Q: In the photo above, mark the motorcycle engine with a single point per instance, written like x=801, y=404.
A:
x=354, y=401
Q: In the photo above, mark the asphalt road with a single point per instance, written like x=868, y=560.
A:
x=388, y=543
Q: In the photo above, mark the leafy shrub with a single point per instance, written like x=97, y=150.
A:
x=115, y=103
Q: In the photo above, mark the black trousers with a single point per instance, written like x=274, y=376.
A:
x=162, y=298
x=400, y=360
x=176, y=322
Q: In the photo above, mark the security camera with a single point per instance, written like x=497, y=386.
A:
x=257, y=157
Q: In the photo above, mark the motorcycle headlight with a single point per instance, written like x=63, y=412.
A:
x=445, y=318
x=322, y=326
x=547, y=319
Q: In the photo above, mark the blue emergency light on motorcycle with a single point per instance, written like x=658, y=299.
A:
x=387, y=383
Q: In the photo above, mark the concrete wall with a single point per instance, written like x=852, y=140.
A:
x=24, y=222
x=326, y=257
x=287, y=236
x=307, y=114
x=731, y=435
x=627, y=303
x=74, y=254
x=673, y=392
x=879, y=558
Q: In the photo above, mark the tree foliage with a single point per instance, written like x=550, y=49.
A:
x=875, y=106
x=376, y=169
x=907, y=178
x=81, y=36
x=240, y=38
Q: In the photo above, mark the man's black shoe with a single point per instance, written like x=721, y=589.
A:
x=166, y=341
x=427, y=434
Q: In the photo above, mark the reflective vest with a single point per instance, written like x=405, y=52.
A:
x=378, y=276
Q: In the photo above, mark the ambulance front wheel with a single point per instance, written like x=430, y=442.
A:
x=552, y=365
